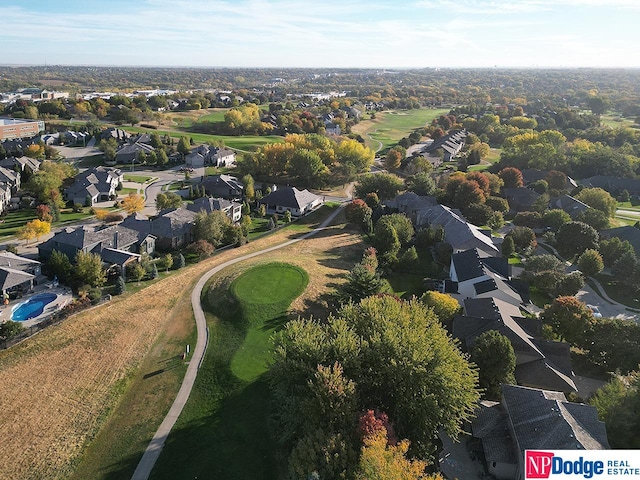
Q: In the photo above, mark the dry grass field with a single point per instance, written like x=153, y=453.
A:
x=61, y=386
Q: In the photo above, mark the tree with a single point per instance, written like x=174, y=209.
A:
x=556, y=180
x=89, y=269
x=443, y=305
x=43, y=212
x=401, y=224
x=179, y=262
x=10, y=329
x=201, y=247
x=523, y=238
x=373, y=342
x=161, y=157
x=210, y=227
x=618, y=405
x=590, y=262
x=386, y=185
x=167, y=262
x=498, y=204
x=26, y=233
x=286, y=218
x=137, y=271
x=555, y=218
x=133, y=203
x=612, y=249
x=493, y=353
x=249, y=187
x=569, y=284
x=569, y=317
x=120, y=287
x=380, y=460
x=184, y=146
x=508, y=247
x=421, y=184
x=573, y=238
x=359, y=213
x=599, y=199
x=393, y=159
x=60, y=266
x=168, y=200
x=595, y=218
x=511, y=176
x=307, y=165
x=478, y=213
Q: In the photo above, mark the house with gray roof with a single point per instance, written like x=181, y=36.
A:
x=298, y=202
x=533, y=419
x=14, y=280
x=613, y=185
x=231, y=209
x=172, y=228
x=11, y=178
x=97, y=239
x=24, y=264
x=459, y=233
x=571, y=205
x=410, y=204
x=539, y=363
x=210, y=155
x=476, y=274
x=521, y=199
x=130, y=153
x=222, y=186
x=96, y=184
x=628, y=233
x=21, y=164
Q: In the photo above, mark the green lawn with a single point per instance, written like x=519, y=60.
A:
x=213, y=117
x=242, y=143
x=409, y=281
x=127, y=191
x=618, y=290
x=128, y=177
x=616, y=121
x=14, y=220
x=389, y=127
x=223, y=431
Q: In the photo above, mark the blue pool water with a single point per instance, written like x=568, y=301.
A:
x=32, y=307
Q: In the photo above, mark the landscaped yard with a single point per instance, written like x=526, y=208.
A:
x=388, y=127
x=128, y=177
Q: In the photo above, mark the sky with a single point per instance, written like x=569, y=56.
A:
x=321, y=33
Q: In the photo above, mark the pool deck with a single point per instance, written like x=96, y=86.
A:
x=64, y=297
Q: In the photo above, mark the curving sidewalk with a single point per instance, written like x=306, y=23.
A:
x=152, y=453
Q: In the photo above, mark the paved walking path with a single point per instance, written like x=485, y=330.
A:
x=152, y=453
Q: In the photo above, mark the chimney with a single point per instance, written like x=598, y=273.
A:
x=115, y=239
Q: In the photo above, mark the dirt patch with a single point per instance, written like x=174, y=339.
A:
x=60, y=385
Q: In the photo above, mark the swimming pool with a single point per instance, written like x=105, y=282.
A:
x=32, y=307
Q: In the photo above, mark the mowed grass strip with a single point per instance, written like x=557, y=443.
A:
x=223, y=431
x=389, y=127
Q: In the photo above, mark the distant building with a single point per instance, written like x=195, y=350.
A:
x=19, y=128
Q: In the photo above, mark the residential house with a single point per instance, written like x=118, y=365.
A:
x=24, y=264
x=521, y=199
x=21, y=164
x=298, y=202
x=450, y=144
x=5, y=196
x=17, y=274
x=410, y=204
x=172, y=227
x=628, y=233
x=11, y=178
x=233, y=210
x=533, y=419
x=459, y=233
x=116, y=244
x=117, y=133
x=223, y=157
x=94, y=185
x=613, y=185
x=222, y=186
x=571, y=205
x=530, y=176
x=476, y=274
x=539, y=363
x=14, y=280
x=130, y=153
x=72, y=138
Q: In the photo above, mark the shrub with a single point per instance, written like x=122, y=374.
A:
x=120, y=286
x=94, y=295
